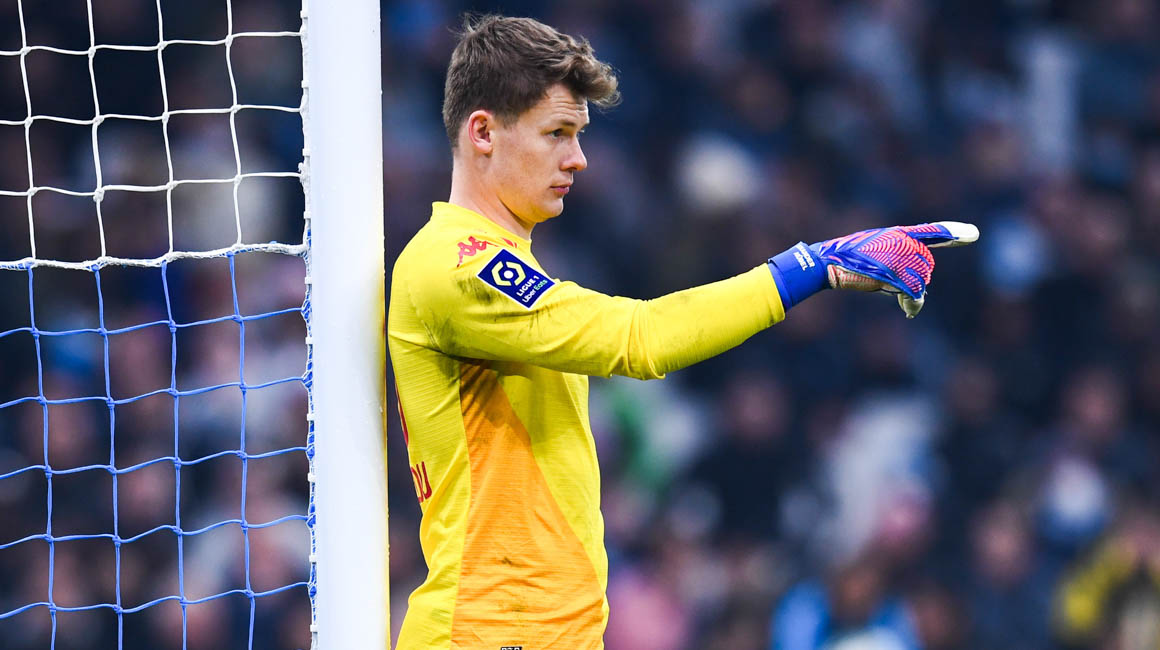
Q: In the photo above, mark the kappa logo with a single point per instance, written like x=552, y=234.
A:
x=515, y=278
x=472, y=246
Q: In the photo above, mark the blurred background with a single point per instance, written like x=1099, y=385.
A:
x=983, y=476
x=979, y=477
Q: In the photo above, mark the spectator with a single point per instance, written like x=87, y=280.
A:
x=1111, y=598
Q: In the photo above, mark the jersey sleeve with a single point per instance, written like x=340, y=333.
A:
x=503, y=307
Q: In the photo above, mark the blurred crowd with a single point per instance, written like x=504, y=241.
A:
x=980, y=477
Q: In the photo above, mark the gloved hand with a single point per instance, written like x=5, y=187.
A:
x=893, y=260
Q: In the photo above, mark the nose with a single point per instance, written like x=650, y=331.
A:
x=575, y=160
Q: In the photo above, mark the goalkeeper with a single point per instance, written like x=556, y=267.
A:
x=491, y=353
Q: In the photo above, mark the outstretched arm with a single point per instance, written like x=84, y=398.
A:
x=505, y=308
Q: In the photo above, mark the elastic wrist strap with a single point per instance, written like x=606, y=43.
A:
x=798, y=273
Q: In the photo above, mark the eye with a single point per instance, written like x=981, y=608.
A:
x=557, y=133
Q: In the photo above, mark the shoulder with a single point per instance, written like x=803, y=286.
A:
x=447, y=251
x=441, y=266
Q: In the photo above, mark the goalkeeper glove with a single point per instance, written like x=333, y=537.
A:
x=893, y=260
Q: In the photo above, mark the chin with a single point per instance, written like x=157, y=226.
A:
x=551, y=207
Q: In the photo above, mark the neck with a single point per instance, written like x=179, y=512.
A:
x=468, y=192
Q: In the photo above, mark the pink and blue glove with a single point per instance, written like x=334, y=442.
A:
x=893, y=260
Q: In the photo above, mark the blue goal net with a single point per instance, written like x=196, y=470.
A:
x=155, y=377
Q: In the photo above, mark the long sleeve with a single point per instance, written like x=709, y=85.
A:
x=476, y=311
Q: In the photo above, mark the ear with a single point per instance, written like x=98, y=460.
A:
x=479, y=127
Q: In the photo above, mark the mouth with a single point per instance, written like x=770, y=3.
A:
x=561, y=190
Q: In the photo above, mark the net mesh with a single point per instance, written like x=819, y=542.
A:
x=155, y=377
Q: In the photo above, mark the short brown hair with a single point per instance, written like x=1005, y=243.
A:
x=506, y=65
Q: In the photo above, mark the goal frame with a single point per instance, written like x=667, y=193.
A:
x=343, y=178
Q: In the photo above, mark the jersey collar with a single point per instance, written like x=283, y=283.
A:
x=444, y=210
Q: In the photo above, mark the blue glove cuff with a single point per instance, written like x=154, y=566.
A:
x=799, y=274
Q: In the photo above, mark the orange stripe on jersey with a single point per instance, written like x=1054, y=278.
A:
x=525, y=578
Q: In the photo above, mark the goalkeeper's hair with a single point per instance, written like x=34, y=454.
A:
x=505, y=65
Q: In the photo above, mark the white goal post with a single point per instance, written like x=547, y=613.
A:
x=160, y=168
x=344, y=206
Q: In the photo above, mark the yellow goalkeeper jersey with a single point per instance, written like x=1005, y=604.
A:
x=491, y=356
